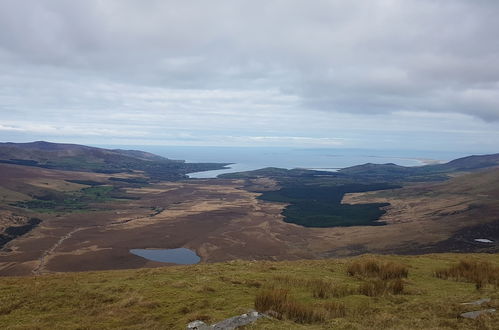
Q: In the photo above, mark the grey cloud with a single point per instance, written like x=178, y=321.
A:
x=71, y=59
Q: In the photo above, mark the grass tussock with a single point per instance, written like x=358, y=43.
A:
x=277, y=302
x=335, y=309
x=479, y=272
x=286, y=280
x=323, y=289
x=320, y=288
x=376, y=288
x=371, y=267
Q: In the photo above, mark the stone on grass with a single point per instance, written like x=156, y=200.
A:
x=477, y=302
x=237, y=321
x=475, y=314
x=227, y=324
x=198, y=325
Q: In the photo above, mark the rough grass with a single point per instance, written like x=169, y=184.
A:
x=326, y=289
x=384, y=270
x=303, y=295
x=479, y=272
x=380, y=277
x=375, y=288
x=278, y=303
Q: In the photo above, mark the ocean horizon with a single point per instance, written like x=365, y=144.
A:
x=253, y=158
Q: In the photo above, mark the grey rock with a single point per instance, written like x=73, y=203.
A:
x=237, y=321
x=477, y=302
x=198, y=325
x=227, y=324
x=475, y=314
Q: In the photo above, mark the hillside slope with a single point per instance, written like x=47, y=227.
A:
x=75, y=157
x=465, y=207
x=322, y=294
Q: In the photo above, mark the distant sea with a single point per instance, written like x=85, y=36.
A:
x=252, y=158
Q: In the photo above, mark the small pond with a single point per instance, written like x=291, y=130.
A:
x=483, y=240
x=181, y=256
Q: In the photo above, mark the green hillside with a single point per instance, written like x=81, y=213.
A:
x=74, y=157
x=368, y=292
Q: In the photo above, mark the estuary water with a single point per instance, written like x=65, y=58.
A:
x=252, y=158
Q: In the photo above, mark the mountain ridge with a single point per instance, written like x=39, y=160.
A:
x=75, y=157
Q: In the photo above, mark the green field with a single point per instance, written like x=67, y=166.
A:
x=54, y=201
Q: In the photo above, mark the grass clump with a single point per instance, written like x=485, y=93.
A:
x=278, y=303
x=271, y=300
x=376, y=288
x=335, y=309
x=384, y=277
x=326, y=289
x=478, y=272
x=384, y=270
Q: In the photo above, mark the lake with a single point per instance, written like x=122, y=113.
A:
x=181, y=256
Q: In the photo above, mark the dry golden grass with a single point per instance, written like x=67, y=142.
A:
x=326, y=289
x=384, y=270
x=335, y=309
x=278, y=302
x=375, y=288
x=479, y=272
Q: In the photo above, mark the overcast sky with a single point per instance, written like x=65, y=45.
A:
x=355, y=74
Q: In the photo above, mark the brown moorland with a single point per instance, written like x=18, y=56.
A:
x=222, y=220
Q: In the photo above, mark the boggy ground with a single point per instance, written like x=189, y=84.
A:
x=218, y=220
x=440, y=217
x=222, y=220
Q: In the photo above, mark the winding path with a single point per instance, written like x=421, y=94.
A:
x=42, y=261
x=38, y=270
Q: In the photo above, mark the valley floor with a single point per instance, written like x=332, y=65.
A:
x=222, y=219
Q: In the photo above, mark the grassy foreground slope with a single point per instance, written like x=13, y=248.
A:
x=170, y=297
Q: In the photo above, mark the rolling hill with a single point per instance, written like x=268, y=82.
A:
x=73, y=157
